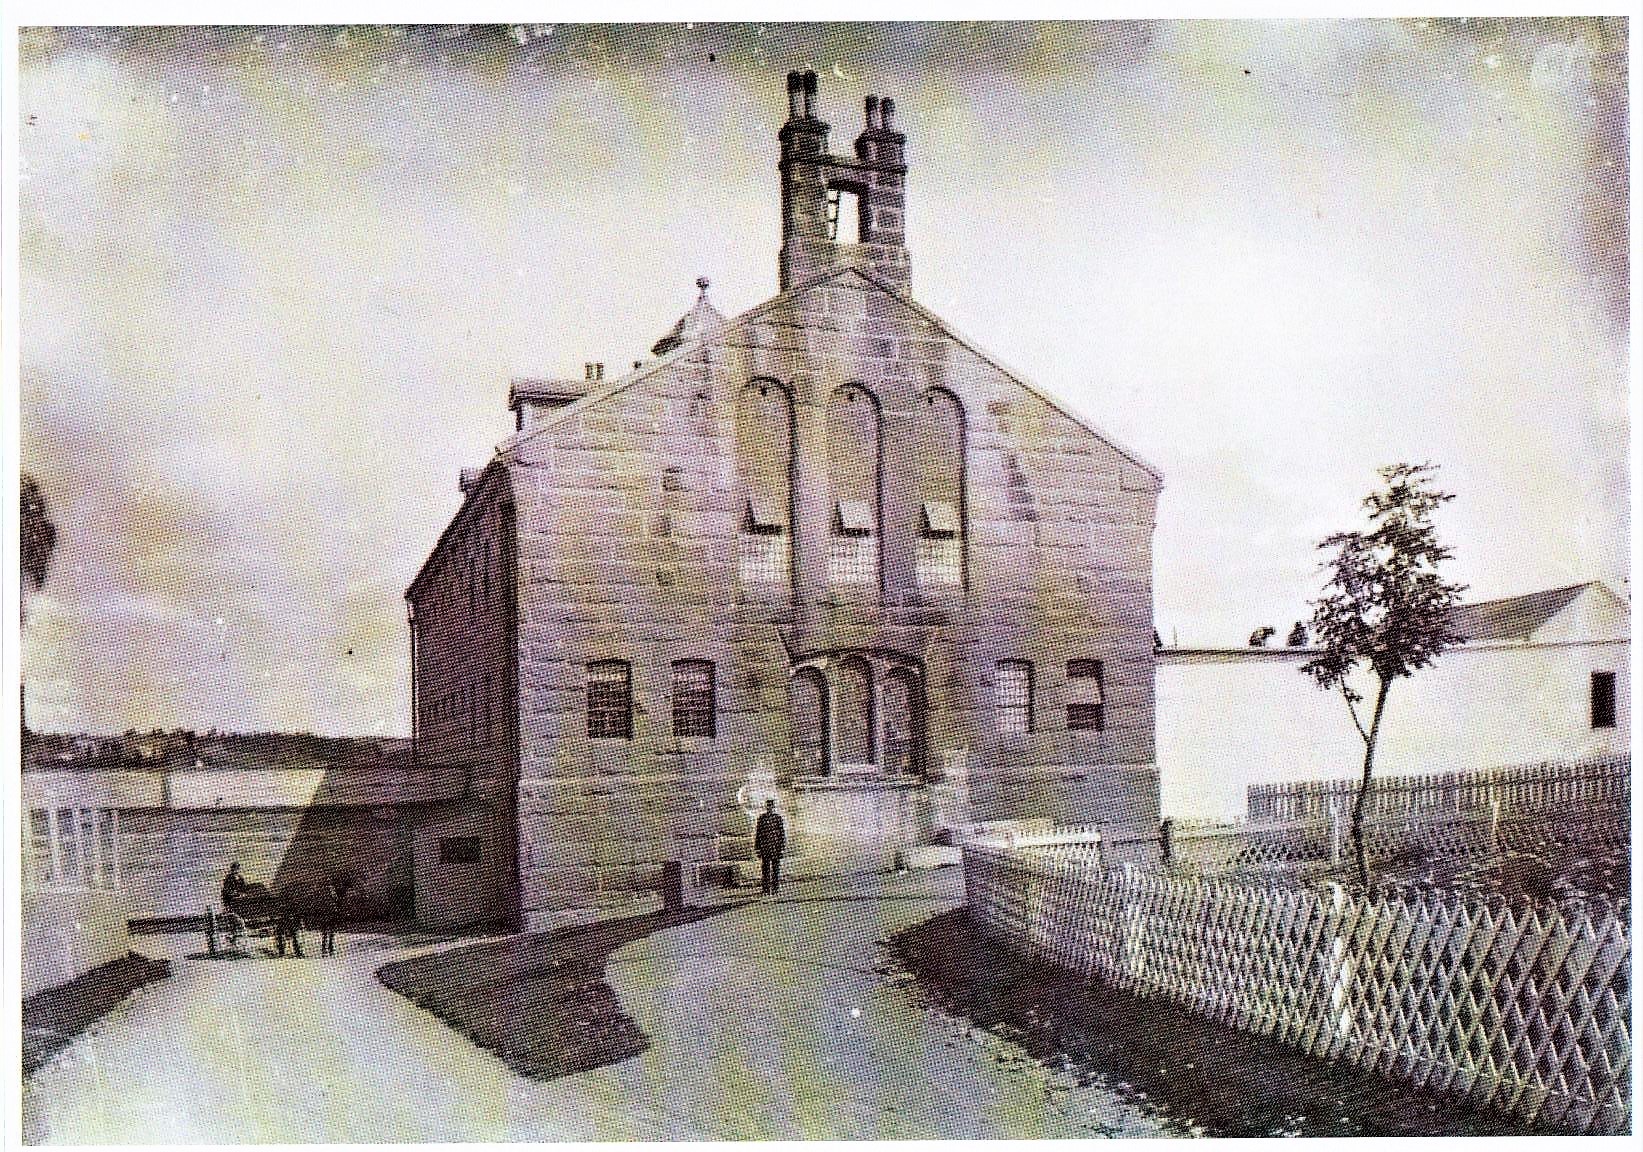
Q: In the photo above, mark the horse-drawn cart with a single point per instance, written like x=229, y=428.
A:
x=255, y=912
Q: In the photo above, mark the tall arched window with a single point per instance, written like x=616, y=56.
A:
x=854, y=715
x=764, y=469
x=810, y=721
x=940, y=460
x=902, y=703
x=853, y=478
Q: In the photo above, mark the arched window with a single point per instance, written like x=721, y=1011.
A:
x=809, y=722
x=764, y=468
x=902, y=705
x=940, y=461
x=853, y=477
x=854, y=716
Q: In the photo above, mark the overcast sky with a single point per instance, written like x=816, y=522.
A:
x=274, y=284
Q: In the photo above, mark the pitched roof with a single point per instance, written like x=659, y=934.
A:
x=1513, y=617
x=708, y=331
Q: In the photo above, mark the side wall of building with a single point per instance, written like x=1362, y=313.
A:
x=630, y=513
x=1226, y=723
x=463, y=605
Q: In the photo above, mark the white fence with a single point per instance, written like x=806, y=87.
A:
x=1519, y=790
x=1521, y=1010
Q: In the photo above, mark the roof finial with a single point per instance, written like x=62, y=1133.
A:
x=702, y=283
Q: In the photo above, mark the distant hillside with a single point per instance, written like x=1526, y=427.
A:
x=182, y=749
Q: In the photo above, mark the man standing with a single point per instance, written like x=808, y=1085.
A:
x=769, y=841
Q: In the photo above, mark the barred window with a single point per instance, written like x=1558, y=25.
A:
x=763, y=558
x=610, y=700
x=763, y=551
x=1013, y=696
x=1084, y=698
x=693, y=699
x=852, y=554
x=939, y=561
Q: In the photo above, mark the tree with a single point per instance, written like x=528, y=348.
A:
x=37, y=534
x=1385, y=609
x=1259, y=637
x=37, y=540
x=1297, y=635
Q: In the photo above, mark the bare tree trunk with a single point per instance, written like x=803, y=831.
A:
x=1360, y=850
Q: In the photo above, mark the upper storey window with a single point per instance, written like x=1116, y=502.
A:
x=940, y=463
x=764, y=467
x=853, y=468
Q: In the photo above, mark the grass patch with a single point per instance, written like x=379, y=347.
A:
x=1212, y=1080
x=51, y=1019
x=540, y=1002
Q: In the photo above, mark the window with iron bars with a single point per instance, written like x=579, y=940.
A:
x=852, y=559
x=762, y=556
x=693, y=699
x=1084, y=698
x=1013, y=696
x=610, y=701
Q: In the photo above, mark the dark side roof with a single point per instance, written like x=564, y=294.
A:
x=1513, y=617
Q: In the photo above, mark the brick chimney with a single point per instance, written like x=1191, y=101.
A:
x=819, y=191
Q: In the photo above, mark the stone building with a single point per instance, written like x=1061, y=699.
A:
x=826, y=551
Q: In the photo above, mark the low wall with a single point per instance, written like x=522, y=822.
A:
x=68, y=933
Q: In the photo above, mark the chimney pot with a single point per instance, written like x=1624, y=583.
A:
x=872, y=112
x=809, y=95
x=795, y=102
x=887, y=110
x=587, y=371
x=598, y=371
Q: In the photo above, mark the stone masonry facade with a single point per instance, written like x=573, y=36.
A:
x=826, y=552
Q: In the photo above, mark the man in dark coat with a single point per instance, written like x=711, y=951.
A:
x=770, y=841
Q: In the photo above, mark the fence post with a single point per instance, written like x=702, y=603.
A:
x=1494, y=824
x=1334, y=830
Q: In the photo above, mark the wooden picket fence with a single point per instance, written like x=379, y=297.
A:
x=1524, y=1010
x=1523, y=789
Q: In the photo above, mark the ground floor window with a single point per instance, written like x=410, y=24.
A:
x=1603, y=712
x=693, y=698
x=1013, y=696
x=1084, y=699
x=610, y=700
x=459, y=850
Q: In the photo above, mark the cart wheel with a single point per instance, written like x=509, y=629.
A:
x=210, y=931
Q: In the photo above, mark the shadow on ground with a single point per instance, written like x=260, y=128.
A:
x=1215, y=1080
x=51, y=1019
x=540, y=1002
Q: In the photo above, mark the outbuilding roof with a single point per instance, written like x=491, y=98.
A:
x=1513, y=617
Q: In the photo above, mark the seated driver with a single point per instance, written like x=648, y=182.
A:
x=233, y=885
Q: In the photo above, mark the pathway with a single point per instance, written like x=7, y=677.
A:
x=773, y=1020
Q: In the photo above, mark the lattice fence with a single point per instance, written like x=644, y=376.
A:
x=1519, y=790
x=1522, y=1010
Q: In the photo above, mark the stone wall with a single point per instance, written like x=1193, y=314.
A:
x=629, y=512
